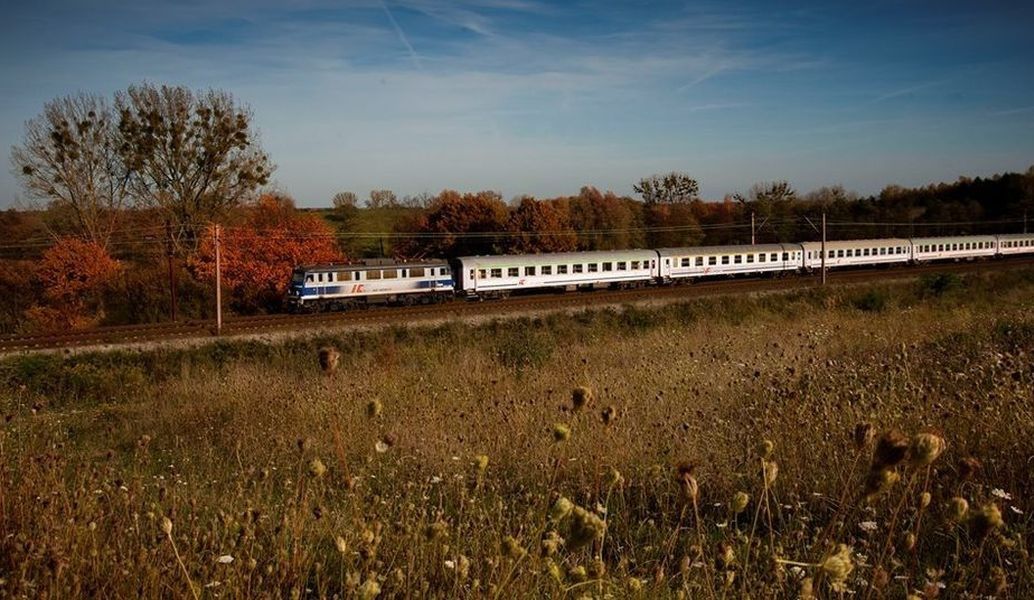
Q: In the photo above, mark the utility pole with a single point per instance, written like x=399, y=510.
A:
x=172, y=272
x=823, y=248
x=1024, y=221
x=751, y=228
x=218, y=286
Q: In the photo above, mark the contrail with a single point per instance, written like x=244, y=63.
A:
x=402, y=36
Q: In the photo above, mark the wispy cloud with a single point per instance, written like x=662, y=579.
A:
x=905, y=91
x=402, y=35
x=1013, y=111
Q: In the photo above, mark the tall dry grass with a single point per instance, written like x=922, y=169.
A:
x=800, y=446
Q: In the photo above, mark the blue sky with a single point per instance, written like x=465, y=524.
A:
x=536, y=97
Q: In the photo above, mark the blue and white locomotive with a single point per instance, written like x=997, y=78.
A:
x=339, y=287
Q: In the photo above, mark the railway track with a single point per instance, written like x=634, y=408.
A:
x=128, y=334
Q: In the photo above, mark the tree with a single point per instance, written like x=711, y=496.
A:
x=69, y=157
x=345, y=200
x=258, y=257
x=192, y=156
x=604, y=221
x=668, y=188
x=540, y=227
x=72, y=275
x=775, y=204
x=450, y=220
x=382, y=199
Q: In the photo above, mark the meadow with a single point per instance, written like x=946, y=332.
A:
x=863, y=442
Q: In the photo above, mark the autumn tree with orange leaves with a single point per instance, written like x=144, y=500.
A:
x=451, y=218
x=258, y=256
x=540, y=226
x=72, y=276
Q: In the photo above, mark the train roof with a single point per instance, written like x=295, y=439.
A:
x=728, y=249
x=377, y=263
x=954, y=238
x=1014, y=236
x=865, y=243
x=559, y=257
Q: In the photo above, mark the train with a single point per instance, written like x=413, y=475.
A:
x=391, y=282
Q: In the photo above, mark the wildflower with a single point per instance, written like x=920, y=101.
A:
x=868, y=526
x=957, y=509
x=329, y=358
x=765, y=448
x=341, y=545
x=739, y=502
x=374, y=408
x=561, y=432
x=985, y=520
x=925, y=449
x=838, y=566
x=167, y=526
x=561, y=508
x=581, y=397
x=924, y=499
x=891, y=449
x=481, y=462
x=316, y=468
x=1002, y=494
x=224, y=559
x=585, y=527
x=577, y=574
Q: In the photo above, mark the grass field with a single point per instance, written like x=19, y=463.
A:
x=871, y=442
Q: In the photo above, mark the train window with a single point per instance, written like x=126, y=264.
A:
x=685, y=261
x=404, y=273
x=622, y=266
x=786, y=256
x=561, y=269
x=700, y=261
x=576, y=268
x=725, y=260
x=737, y=259
x=547, y=270
x=712, y=260
x=513, y=272
x=374, y=274
x=635, y=265
x=761, y=257
x=775, y=256
x=482, y=274
x=309, y=278
x=496, y=273
x=750, y=258
x=389, y=273
x=850, y=253
x=418, y=272
x=529, y=271
x=445, y=270
x=593, y=267
x=608, y=266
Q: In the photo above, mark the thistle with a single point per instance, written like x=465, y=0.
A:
x=925, y=449
x=891, y=449
x=561, y=433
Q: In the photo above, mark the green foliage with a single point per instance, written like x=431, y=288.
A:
x=940, y=284
x=871, y=301
x=524, y=347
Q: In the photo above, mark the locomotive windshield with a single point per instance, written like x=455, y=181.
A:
x=298, y=276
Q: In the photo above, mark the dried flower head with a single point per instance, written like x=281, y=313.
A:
x=837, y=566
x=585, y=527
x=690, y=489
x=374, y=408
x=167, y=526
x=481, y=462
x=739, y=502
x=925, y=449
x=891, y=449
x=771, y=469
x=878, y=482
x=581, y=397
x=561, y=432
x=317, y=468
x=969, y=467
x=985, y=520
x=560, y=509
x=614, y=478
x=329, y=358
x=511, y=548
x=341, y=545
x=370, y=589
x=957, y=509
x=765, y=449
x=924, y=499
x=608, y=415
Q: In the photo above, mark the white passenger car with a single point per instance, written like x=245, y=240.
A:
x=490, y=276
x=706, y=261
x=845, y=253
x=1015, y=243
x=373, y=282
x=953, y=247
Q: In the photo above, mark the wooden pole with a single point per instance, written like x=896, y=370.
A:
x=823, y=248
x=218, y=286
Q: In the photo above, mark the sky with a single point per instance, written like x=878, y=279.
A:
x=541, y=98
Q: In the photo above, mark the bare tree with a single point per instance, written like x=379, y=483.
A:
x=69, y=158
x=669, y=188
x=191, y=156
x=345, y=200
x=382, y=199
